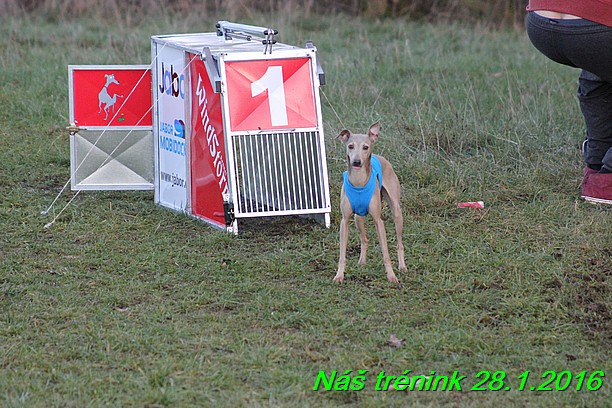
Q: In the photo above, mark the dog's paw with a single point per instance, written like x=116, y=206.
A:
x=339, y=278
x=392, y=278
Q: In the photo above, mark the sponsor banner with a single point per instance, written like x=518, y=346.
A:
x=172, y=151
x=207, y=149
x=111, y=95
x=270, y=94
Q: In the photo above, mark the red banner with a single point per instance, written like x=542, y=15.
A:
x=207, y=149
x=270, y=94
x=116, y=96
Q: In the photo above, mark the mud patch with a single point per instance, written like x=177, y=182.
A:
x=591, y=300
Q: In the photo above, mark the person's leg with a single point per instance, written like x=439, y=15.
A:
x=595, y=96
x=607, y=162
x=586, y=45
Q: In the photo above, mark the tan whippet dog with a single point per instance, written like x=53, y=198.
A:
x=369, y=180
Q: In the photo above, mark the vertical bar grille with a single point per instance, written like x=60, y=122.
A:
x=278, y=173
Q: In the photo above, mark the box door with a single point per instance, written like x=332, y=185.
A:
x=111, y=147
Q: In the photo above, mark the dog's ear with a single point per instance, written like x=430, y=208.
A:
x=344, y=135
x=373, y=131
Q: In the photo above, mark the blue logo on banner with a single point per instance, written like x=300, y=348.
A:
x=167, y=134
x=179, y=128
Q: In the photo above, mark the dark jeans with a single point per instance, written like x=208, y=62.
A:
x=586, y=45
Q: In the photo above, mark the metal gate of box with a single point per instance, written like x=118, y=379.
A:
x=237, y=130
x=278, y=173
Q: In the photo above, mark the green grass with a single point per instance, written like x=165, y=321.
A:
x=124, y=303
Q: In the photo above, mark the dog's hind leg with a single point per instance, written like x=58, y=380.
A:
x=360, y=222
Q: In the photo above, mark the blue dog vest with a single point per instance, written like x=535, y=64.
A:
x=360, y=197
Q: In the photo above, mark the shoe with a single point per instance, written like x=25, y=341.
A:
x=596, y=186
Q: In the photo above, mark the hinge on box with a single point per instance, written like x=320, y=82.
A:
x=73, y=128
x=320, y=72
x=228, y=209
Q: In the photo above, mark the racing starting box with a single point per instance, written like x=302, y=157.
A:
x=231, y=129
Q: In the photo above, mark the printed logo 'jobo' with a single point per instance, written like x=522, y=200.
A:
x=171, y=82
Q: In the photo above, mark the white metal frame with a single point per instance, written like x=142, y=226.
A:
x=294, y=143
x=74, y=166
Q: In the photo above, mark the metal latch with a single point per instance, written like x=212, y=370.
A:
x=211, y=64
x=320, y=72
x=73, y=129
x=228, y=210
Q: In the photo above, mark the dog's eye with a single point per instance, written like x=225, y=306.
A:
x=366, y=147
x=351, y=147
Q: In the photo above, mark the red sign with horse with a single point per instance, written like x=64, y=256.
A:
x=111, y=96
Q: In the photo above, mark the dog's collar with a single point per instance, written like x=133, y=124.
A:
x=360, y=197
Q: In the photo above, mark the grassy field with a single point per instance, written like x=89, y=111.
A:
x=123, y=303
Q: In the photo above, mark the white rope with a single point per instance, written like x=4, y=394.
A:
x=332, y=108
x=45, y=212
x=49, y=224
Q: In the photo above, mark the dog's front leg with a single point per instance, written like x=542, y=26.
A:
x=346, y=210
x=344, y=230
x=360, y=222
x=382, y=238
x=375, y=209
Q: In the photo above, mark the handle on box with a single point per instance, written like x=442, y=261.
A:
x=246, y=32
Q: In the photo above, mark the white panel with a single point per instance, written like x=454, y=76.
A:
x=171, y=95
x=112, y=160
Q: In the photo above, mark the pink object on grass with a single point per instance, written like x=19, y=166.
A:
x=471, y=204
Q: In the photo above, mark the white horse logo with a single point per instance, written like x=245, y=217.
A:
x=104, y=97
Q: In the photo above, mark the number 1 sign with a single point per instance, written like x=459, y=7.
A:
x=270, y=94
